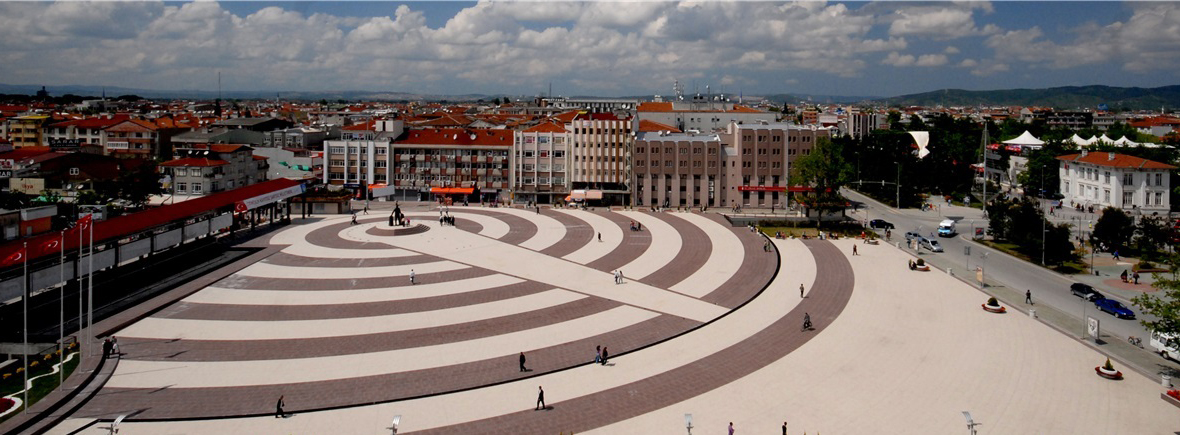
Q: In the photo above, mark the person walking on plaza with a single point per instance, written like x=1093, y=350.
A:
x=621, y=276
x=731, y=428
x=784, y=428
x=597, y=354
x=279, y=408
x=800, y=290
x=540, y=399
x=411, y=276
x=1136, y=277
x=600, y=237
x=353, y=218
x=522, y=363
x=366, y=209
x=854, y=250
x=1116, y=255
x=605, y=355
x=1028, y=296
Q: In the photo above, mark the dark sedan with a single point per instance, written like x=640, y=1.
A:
x=1115, y=308
x=1086, y=292
x=880, y=223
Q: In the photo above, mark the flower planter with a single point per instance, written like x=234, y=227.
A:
x=1172, y=397
x=922, y=268
x=6, y=404
x=994, y=309
x=1108, y=374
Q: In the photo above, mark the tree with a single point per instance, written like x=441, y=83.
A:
x=825, y=170
x=1019, y=221
x=1151, y=234
x=1114, y=228
x=1164, y=307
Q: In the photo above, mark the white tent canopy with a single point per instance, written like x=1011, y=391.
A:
x=1026, y=140
x=922, y=139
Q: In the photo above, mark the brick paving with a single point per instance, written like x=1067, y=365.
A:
x=519, y=229
x=694, y=252
x=166, y=403
x=634, y=243
x=757, y=269
x=829, y=297
x=577, y=234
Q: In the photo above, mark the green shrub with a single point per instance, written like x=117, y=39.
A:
x=1108, y=366
x=993, y=302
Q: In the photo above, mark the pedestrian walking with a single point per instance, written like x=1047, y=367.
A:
x=522, y=363
x=1028, y=296
x=412, y=277
x=605, y=355
x=731, y=428
x=106, y=348
x=599, y=237
x=784, y=428
x=806, y=321
x=540, y=399
x=621, y=277
x=279, y=408
x=353, y=218
x=800, y=290
x=1136, y=276
x=1116, y=255
x=366, y=210
x=115, y=346
x=597, y=354
x=854, y=250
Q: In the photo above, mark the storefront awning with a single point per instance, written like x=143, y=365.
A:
x=452, y=190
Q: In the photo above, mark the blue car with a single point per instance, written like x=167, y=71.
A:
x=1114, y=307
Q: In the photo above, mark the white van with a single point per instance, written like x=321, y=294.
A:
x=1165, y=345
x=946, y=228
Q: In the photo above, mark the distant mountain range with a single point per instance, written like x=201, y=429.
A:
x=1066, y=98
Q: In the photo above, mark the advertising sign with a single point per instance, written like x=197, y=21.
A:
x=64, y=143
x=261, y=200
x=1092, y=327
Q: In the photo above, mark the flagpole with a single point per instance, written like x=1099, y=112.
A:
x=90, y=286
x=25, y=299
x=61, y=313
x=78, y=267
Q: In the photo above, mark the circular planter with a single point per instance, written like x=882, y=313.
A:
x=923, y=268
x=994, y=309
x=1108, y=374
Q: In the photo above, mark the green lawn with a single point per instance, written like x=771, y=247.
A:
x=1069, y=268
x=13, y=380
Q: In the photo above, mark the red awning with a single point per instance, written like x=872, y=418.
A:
x=450, y=190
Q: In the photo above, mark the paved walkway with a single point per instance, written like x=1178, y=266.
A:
x=893, y=350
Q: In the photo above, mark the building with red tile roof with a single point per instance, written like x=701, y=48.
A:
x=1104, y=179
x=702, y=115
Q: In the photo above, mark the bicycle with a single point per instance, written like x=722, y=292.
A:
x=1135, y=341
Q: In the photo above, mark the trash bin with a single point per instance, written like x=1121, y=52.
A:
x=1032, y=313
x=950, y=271
x=1166, y=381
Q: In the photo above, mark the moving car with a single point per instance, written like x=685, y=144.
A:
x=1084, y=291
x=1165, y=345
x=932, y=245
x=946, y=228
x=880, y=223
x=1115, y=308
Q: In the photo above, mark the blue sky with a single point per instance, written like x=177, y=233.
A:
x=606, y=49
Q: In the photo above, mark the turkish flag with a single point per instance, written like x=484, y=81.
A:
x=15, y=257
x=50, y=246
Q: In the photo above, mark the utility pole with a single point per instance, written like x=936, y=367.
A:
x=983, y=153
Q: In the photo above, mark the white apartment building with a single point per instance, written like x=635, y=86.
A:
x=701, y=115
x=541, y=163
x=601, y=160
x=1134, y=184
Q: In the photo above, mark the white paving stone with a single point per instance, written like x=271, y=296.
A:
x=190, y=374
x=549, y=230
x=666, y=243
x=612, y=237
x=304, y=249
x=267, y=270
x=244, y=330
x=234, y=296
x=724, y=259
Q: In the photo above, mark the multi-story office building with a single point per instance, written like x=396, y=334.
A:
x=1103, y=179
x=701, y=114
x=25, y=131
x=759, y=160
x=297, y=137
x=600, y=157
x=89, y=131
x=541, y=163
x=674, y=169
x=456, y=163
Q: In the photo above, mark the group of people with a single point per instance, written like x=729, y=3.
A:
x=619, y=276
x=110, y=346
x=601, y=355
x=1125, y=277
x=636, y=226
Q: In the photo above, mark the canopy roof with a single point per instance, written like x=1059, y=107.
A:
x=1026, y=139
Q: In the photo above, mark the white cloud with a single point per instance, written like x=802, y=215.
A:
x=990, y=68
x=951, y=50
x=931, y=60
x=897, y=59
x=968, y=63
x=943, y=21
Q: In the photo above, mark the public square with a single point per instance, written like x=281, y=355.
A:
x=706, y=321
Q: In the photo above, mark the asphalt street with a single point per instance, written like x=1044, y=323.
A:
x=1000, y=270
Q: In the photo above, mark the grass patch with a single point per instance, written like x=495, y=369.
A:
x=41, y=387
x=1069, y=267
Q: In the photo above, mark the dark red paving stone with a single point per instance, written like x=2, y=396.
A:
x=172, y=403
x=757, y=269
x=215, y=350
x=388, y=231
x=830, y=294
x=577, y=234
x=460, y=223
x=694, y=252
x=329, y=236
x=311, y=282
x=198, y=311
x=633, y=245
x=519, y=229
x=284, y=259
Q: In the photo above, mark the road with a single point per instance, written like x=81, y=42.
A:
x=1048, y=287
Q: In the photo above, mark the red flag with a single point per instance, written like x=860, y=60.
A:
x=80, y=226
x=50, y=246
x=15, y=257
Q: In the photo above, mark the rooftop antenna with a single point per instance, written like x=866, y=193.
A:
x=678, y=89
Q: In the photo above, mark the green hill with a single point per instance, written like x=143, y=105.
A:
x=1063, y=98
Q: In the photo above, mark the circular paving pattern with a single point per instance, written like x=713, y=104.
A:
x=333, y=320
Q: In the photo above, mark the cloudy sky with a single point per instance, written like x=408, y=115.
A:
x=591, y=48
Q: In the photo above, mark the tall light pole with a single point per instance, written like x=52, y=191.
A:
x=1044, y=218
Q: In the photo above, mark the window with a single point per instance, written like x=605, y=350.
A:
x=1128, y=179
x=181, y=187
x=197, y=188
x=335, y=150
x=380, y=163
x=1127, y=198
x=1159, y=198
x=528, y=153
x=1106, y=177
x=1159, y=180
x=1106, y=195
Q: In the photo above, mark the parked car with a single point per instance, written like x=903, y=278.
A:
x=1165, y=345
x=880, y=223
x=1084, y=291
x=1115, y=308
x=932, y=245
x=909, y=236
